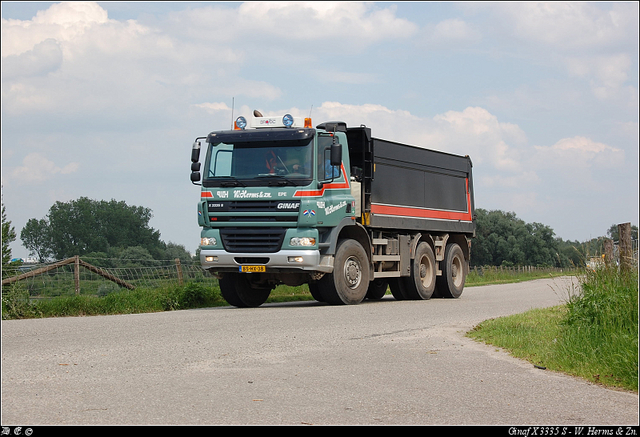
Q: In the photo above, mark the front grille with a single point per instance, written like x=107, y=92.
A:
x=251, y=260
x=291, y=206
x=263, y=240
x=253, y=219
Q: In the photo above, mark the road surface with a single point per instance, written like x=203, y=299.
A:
x=377, y=363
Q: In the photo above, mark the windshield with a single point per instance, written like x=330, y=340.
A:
x=259, y=164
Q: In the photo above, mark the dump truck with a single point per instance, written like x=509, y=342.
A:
x=351, y=215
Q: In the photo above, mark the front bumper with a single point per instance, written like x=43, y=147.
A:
x=307, y=260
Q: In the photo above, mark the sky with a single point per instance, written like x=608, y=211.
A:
x=104, y=100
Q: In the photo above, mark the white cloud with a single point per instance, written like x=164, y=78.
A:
x=61, y=21
x=313, y=28
x=593, y=41
x=454, y=30
x=607, y=74
x=571, y=25
x=473, y=131
x=351, y=22
x=45, y=57
x=213, y=106
x=579, y=164
x=578, y=153
x=37, y=168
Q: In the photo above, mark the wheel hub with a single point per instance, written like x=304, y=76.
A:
x=352, y=272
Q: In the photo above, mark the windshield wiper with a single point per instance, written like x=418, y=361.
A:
x=231, y=182
x=281, y=180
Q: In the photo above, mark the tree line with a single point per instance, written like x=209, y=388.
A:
x=114, y=234
x=502, y=239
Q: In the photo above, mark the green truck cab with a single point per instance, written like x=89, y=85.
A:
x=284, y=202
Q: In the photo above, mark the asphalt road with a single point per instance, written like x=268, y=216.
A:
x=377, y=363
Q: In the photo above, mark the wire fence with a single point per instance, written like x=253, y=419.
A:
x=91, y=276
x=518, y=270
x=103, y=276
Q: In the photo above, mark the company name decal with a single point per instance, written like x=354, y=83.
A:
x=288, y=205
x=244, y=194
x=333, y=208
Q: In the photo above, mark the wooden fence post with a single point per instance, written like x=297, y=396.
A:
x=76, y=273
x=179, y=267
x=624, y=246
x=608, y=252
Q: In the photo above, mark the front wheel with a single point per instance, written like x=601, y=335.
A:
x=238, y=291
x=349, y=282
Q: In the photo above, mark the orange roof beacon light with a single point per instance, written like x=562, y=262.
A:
x=307, y=122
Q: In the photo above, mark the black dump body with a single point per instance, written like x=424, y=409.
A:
x=412, y=188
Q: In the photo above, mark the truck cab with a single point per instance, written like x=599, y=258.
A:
x=271, y=195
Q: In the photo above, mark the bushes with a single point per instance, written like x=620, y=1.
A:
x=600, y=332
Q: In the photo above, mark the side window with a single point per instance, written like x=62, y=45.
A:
x=325, y=170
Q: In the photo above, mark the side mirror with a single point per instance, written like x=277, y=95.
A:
x=195, y=165
x=336, y=154
x=195, y=152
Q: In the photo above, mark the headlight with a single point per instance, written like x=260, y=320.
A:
x=302, y=241
x=211, y=241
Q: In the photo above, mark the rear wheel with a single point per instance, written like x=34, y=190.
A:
x=454, y=272
x=398, y=288
x=238, y=291
x=422, y=282
x=377, y=289
x=349, y=282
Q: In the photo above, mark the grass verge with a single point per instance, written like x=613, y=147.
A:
x=17, y=305
x=594, y=336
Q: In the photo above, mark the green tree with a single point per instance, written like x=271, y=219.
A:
x=35, y=237
x=504, y=239
x=135, y=256
x=174, y=251
x=84, y=226
x=8, y=236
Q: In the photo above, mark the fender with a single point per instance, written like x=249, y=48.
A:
x=347, y=228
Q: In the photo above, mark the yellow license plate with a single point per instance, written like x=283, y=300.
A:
x=252, y=269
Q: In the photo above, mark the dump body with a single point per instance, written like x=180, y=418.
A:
x=414, y=188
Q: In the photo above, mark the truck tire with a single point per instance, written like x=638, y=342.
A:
x=315, y=291
x=398, y=288
x=422, y=281
x=377, y=289
x=454, y=272
x=237, y=291
x=349, y=282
